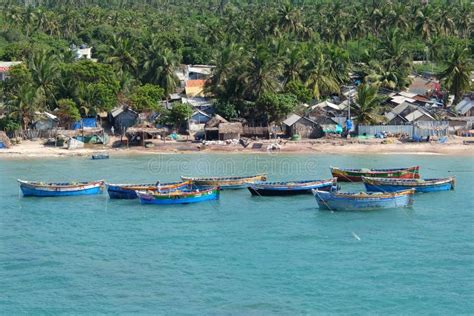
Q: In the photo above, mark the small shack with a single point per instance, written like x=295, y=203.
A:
x=198, y=121
x=305, y=127
x=211, y=128
x=45, y=121
x=139, y=135
x=122, y=117
x=230, y=130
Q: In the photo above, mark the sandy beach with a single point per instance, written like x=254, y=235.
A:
x=36, y=149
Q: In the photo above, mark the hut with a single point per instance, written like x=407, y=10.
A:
x=306, y=127
x=139, y=135
x=211, y=129
x=230, y=130
x=122, y=118
x=197, y=121
x=45, y=121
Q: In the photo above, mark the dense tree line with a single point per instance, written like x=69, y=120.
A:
x=269, y=55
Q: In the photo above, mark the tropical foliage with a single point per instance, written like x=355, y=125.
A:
x=306, y=49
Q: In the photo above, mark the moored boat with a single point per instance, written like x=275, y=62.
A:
x=178, y=196
x=31, y=188
x=420, y=185
x=128, y=191
x=355, y=175
x=337, y=201
x=226, y=182
x=290, y=187
x=98, y=156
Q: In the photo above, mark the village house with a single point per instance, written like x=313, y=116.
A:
x=45, y=121
x=231, y=130
x=82, y=52
x=327, y=109
x=192, y=79
x=121, y=118
x=218, y=128
x=465, y=107
x=307, y=127
x=5, y=68
x=407, y=112
x=197, y=121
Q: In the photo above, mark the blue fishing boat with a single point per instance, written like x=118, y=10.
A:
x=128, y=191
x=290, y=187
x=420, y=185
x=178, y=196
x=337, y=201
x=30, y=188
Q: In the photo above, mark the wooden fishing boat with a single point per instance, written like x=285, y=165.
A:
x=290, y=187
x=226, y=182
x=30, y=188
x=178, y=196
x=99, y=156
x=128, y=191
x=355, y=175
x=420, y=185
x=336, y=201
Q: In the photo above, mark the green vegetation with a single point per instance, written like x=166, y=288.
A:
x=267, y=53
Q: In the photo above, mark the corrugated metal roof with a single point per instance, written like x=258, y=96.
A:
x=292, y=119
x=464, y=106
x=399, y=99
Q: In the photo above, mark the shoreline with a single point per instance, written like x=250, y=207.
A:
x=36, y=150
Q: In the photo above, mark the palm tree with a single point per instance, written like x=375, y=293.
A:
x=120, y=56
x=43, y=66
x=226, y=62
x=367, y=104
x=295, y=63
x=160, y=67
x=289, y=18
x=261, y=74
x=319, y=78
x=24, y=104
x=456, y=76
x=424, y=23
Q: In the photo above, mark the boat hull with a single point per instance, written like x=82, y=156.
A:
x=363, y=202
x=287, y=188
x=186, y=198
x=355, y=175
x=226, y=183
x=428, y=185
x=58, y=190
x=128, y=191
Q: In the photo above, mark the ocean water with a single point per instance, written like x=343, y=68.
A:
x=239, y=255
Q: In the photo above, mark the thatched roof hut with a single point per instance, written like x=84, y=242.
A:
x=5, y=140
x=215, y=121
x=138, y=135
x=230, y=130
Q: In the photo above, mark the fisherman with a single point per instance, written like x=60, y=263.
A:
x=348, y=127
x=158, y=186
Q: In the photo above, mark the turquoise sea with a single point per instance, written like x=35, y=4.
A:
x=240, y=255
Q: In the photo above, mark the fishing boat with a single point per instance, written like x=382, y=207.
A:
x=338, y=201
x=355, y=175
x=30, y=188
x=128, y=191
x=290, y=187
x=420, y=185
x=99, y=156
x=178, y=196
x=226, y=182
